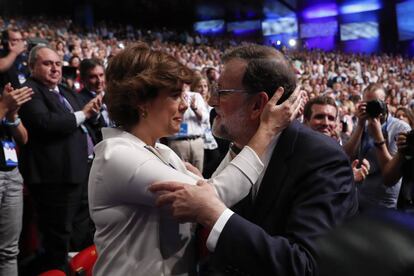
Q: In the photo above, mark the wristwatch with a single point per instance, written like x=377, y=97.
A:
x=379, y=144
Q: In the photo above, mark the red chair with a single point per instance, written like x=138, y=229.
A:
x=84, y=261
x=54, y=272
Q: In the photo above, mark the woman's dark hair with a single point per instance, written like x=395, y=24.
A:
x=135, y=76
x=408, y=113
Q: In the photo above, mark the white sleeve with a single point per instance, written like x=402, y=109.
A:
x=80, y=117
x=128, y=175
x=234, y=182
x=205, y=114
x=217, y=228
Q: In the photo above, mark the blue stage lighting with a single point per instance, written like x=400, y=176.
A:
x=319, y=11
x=360, y=6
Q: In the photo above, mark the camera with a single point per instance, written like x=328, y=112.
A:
x=376, y=108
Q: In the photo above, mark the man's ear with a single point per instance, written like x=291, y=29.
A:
x=260, y=101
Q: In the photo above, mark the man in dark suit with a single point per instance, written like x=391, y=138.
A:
x=54, y=161
x=305, y=190
x=92, y=75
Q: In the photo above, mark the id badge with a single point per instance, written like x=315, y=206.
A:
x=183, y=130
x=10, y=155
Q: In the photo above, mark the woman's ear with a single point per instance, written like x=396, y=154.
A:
x=143, y=110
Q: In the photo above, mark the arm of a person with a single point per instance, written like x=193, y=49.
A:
x=390, y=165
x=392, y=172
x=7, y=61
x=383, y=156
x=129, y=172
x=38, y=118
x=325, y=198
x=351, y=147
x=3, y=110
x=234, y=182
x=199, y=108
x=18, y=132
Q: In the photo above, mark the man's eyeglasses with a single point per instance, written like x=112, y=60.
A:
x=222, y=92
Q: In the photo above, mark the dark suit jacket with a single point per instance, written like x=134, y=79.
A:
x=57, y=147
x=307, y=190
x=96, y=123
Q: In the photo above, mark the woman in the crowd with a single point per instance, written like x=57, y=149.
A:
x=12, y=133
x=212, y=156
x=146, y=100
x=405, y=114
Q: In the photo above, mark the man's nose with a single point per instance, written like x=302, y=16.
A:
x=325, y=121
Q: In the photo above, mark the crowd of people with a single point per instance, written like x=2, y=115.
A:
x=126, y=108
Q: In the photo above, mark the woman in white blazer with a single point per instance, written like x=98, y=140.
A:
x=145, y=100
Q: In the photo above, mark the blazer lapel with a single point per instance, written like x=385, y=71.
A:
x=275, y=174
x=50, y=96
x=70, y=97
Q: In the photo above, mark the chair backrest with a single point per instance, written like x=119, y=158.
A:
x=54, y=272
x=83, y=262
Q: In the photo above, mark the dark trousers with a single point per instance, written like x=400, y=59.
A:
x=61, y=208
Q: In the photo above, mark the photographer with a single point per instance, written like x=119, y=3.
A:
x=13, y=59
x=374, y=138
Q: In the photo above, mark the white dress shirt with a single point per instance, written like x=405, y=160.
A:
x=133, y=236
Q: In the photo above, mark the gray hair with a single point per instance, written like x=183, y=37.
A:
x=33, y=54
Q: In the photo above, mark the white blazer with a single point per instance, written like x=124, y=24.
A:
x=133, y=236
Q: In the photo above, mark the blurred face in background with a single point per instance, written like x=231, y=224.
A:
x=400, y=114
x=202, y=88
x=95, y=79
x=15, y=38
x=323, y=119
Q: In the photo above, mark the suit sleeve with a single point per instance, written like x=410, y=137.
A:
x=38, y=117
x=324, y=196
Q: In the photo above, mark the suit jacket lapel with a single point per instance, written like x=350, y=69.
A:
x=70, y=97
x=49, y=96
x=275, y=174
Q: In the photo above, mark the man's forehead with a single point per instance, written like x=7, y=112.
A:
x=13, y=34
x=324, y=108
x=373, y=95
x=47, y=54
x=98, y=69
